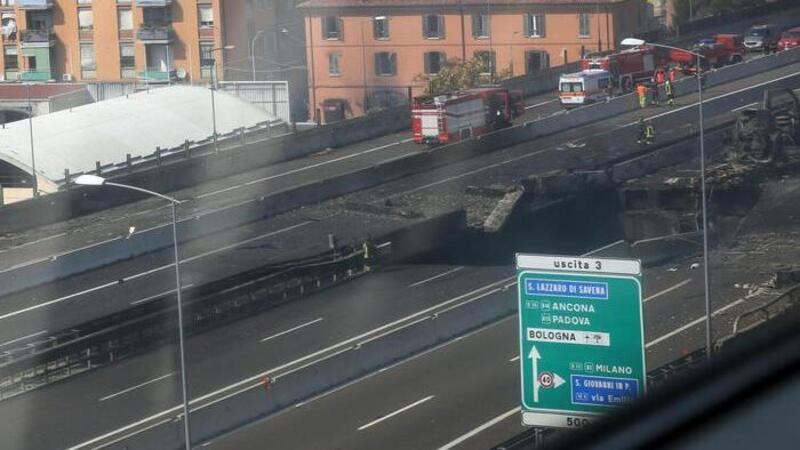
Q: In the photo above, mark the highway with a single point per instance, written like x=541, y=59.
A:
x=69, y=302
x=465, y=394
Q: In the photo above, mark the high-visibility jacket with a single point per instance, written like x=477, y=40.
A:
x=641, y=90
x=668, y=87
x=649, y=131
x=673, y=74
x=659, y=76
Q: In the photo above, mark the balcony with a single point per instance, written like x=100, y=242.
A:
x=153, y=3
x=32, y=5
x=154, y=33
x=38, y=38
x=157, y=76
x=36, y=75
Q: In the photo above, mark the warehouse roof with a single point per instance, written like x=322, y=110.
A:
x=106, y=131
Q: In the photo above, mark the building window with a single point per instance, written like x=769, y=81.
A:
x=206, y=13
x=534, y=25
x=85, y=19
x=125, y=19
x=88, y=64
x=206, y=59
x=331, y=28
x=536, y=60
x=11, y=62
x=334, y=69
x=40, y=20
x=84, y=2
x=487, y=59
x=9, y=21
x=583, y=25
x=385, y=64
x=127, y=60
x=380, y=27
x=433, y=26
x=434, y=61
x=480, y=26
x=156, y=17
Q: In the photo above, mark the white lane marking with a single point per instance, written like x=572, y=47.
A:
x=436, y=277
x=291, y=330
x=153, y=297
x=260, y=376
x=669, y=289
x=541, y=104
x=323, y=163
x=26, y=244
x=22, y=338
x=139, y=275
x=516, y=358
x=219, y=191
x=457, y=441
x=473, y=172
x=745, y=106
x=133, y=388
x=399, y=411
x=693, y=323
x=708, y=100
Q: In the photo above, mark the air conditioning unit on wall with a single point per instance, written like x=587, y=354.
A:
x=66, y=77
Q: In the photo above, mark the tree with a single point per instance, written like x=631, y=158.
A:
x=456, y=75
x=704, y=8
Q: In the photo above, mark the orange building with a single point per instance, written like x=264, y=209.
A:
x=364, y=54
x=127, y=40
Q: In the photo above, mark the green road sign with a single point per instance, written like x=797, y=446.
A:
x=581, y=337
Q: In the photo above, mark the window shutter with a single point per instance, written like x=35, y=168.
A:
x=393, y=59
x=378, y=63
x=428, y=62
x=526, y=24
x=542, y=29
x=440, y=20
x=425, y=30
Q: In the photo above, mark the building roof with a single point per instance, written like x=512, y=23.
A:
x=407, y=3
x=106, y=131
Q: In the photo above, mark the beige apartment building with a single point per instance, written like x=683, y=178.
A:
x=127, y=40
x=368, y=54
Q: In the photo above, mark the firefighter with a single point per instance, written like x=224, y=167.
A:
x=647, y=132
x=672, y=74
x=369, y=253
x=669, y=91
x=659, y=77
x=641, y=91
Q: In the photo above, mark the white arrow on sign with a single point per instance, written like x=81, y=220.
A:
x=535, y=357
x=557, y=380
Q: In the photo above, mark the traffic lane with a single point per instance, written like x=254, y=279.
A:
x=79, y=232
x=226, y=355
x=584, y=147
x=467, y=380
x=86, y=230
x=71, y=301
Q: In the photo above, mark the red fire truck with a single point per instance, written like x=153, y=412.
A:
x=450, y=118
x=718, y=51
x=628, y=66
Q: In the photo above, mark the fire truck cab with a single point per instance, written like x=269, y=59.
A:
x=451, y=118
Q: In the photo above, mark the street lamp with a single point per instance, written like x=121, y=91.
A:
x=94, y=180
x=30, y=130
x=213, y=88
x=253, y=48
x=636, y=42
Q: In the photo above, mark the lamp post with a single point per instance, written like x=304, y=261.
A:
x=635, y=42
x=94, y=180
x=253, y=52
x=30, y=130
x=213, y=88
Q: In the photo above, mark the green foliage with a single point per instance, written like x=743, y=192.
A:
x=456, y=75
